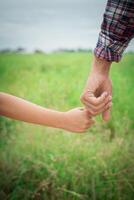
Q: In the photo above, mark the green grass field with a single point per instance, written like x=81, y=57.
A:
x=42, y=163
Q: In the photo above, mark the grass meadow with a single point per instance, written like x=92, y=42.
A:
x=41, y=163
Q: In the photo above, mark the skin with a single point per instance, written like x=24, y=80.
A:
x=75, y=120
x=98, y=89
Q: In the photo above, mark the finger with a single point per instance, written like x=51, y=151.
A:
x=100, y=106
x=103, y=97
x=94, y=110
x=103, y=109
x=89, y=119
x=88, y=115
x=106, y=113
x=107, y=107
x=95, y=100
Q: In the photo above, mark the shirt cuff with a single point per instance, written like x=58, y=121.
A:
x=109, y=49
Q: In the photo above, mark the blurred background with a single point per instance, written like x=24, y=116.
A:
x=45, y=57
x=50, y=24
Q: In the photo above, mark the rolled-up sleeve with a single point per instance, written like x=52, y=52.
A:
x=117, y=30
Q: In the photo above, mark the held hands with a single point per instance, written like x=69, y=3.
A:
x=80, y=119
x=96, y=97
x=77, y=120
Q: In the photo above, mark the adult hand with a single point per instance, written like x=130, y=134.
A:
x=97, y=95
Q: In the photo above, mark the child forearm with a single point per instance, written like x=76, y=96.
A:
x=74, y=120
x=19, y=109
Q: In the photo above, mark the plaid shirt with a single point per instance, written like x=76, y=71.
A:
x=117, y=30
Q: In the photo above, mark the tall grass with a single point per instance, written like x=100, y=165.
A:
x=50, y=164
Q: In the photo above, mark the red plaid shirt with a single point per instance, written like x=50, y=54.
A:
x=117, y=30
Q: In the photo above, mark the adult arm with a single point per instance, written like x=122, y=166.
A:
x=117, y=30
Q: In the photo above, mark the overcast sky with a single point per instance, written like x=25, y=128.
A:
x=50, y=24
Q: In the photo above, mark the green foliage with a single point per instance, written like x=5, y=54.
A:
x=42, y=163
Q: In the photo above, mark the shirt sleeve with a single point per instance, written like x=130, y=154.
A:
x=117, y=30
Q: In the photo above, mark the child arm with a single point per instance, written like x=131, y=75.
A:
x=20, y=109
x=75, y=120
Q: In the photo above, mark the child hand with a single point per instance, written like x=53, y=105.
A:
x=77, y=120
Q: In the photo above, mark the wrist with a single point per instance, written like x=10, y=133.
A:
x=63, y=120
x=53, y=118
x=60, y=120
x=101, y=66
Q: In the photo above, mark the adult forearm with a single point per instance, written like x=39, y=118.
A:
x=100, y=66
x=98, y=89
x=19, y=109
